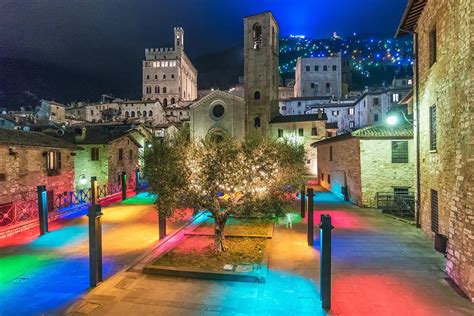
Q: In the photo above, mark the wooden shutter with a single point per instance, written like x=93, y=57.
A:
x=434, y=212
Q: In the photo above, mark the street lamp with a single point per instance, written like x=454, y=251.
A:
x=392, y=120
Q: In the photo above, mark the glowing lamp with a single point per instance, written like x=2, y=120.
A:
x=82, y=179
x=392, y=120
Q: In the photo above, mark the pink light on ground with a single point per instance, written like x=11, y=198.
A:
x=343, y=220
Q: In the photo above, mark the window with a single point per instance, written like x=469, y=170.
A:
x=351, y=124
x=120, y=154
x=148, y=76
x=350, y=111
x=400, y=151
x=335, y=113
x=164, y=89
x=148, y=89
x=322, y=176
x=400, y=191
x=130, y=155
x=299, y=103
x=434, y=211
x=173, y=101
x=325, y=68
x=257, y=122
x=172, y=76
x=300, y=132
x=280, y=133
x=376, y=101
x=314, y=131
x=127, y=114
x=376, y=117
x=395, y=97
x=312, y=85
x=283, y=108
x=53, y=161
x=218, y=111
x=164, y=76
x=329, y=178
x=256, y=95
x=165, y=102
x=328, y=134
x=273, y=36
x=144, y=113
x=132, y=114
x=316, y=68
x=433, y=48
x=157, y=89
x=330, y=153
x=308, y=68
x=257, y=35
x=334, y=68
x=433, y=136
x=150, y=113
x=156, y=76
x=94, y=153
x=328, y=87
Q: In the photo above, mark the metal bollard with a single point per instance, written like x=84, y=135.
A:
x=93, y=190
x=325, y=270
x=310, y=217
x=161, y=226
x=137, y=181
x=95, y=244
x=303, y=203
x=42, y=209
x=124, y=185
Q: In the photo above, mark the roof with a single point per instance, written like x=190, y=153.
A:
x=101, y=134
x=8, y=118
x=35, y=139
x=331, y=125
x=407, y=99
x=307, y=98
x=381, y=131
x=410, y=17
x=217, y=93
x=298, y=118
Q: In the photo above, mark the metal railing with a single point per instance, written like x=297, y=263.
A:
x=18, y=211
x=401, y=205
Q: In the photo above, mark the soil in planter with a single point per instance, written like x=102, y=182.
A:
x=197, y=253
x=236, y=226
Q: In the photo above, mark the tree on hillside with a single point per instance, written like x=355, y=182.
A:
x=228, y=178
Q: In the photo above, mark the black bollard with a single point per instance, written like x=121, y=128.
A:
x=310, y=217
x=95, y=244
x=325, y=270
x=42, y=209
x=93, y=190
x=161, y=226
x=303, y=203
x=137, y=181
x=124, y=185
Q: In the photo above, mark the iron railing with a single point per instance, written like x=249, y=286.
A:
x=401, y=205
x=18, y=211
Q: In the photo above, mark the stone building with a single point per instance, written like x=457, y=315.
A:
x=218, y=113
x=108, y=151
x=29, y=159
x=51, y=111
x=443, y=33
x=261, y=74
x=322, y=76
x=168, y=74
x=178, y=112
x=302, y=129
x=357, y=165
x=375, y=104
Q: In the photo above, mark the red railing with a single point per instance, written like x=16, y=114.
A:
x=18, y=211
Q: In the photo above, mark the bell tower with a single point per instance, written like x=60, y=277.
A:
x=179, y=40
x=261, y=74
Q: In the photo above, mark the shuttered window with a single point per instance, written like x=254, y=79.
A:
x=399, y=151
x=434, y=211
x=433, y=48
x=433, y=135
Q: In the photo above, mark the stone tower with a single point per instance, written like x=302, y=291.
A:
x=179, y=40
x=261, y=75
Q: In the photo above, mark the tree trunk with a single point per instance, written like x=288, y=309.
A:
x=219, y=239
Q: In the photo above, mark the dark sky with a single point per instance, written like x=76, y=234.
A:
x=99, y=36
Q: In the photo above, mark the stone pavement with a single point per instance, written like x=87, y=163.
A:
x=381, y=266
x=44, y=275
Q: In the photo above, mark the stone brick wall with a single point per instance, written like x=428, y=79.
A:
x=344, y=169
x=448, y=84
x=378, y=173
x=128, y=163
x=84, y=166
x=26, y=169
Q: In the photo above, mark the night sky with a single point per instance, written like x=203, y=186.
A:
x=103, y=36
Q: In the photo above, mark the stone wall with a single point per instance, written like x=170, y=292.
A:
x=25, y=168
x=448, y=84
x=318, y=77
x=128, y=163
x=84, y=166
x=344, y=169
x=378, y=173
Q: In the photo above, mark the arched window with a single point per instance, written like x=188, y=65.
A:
x=164, y=89
x=316, y=68
x=133, y=113
x=307, y=68
x=144, y=113
x=257, y=122
x=127, y=114
x=256, y=95
x=257, y=35
x=139, y=113
x=157, y=89
x=312, y=85
x=165, y=102
x=148, y=89
x=164, y=76
x=172, y=101
x=328, y=87
x=156, y=76
x=325, y=68
x=334, y=68
x=150, y=113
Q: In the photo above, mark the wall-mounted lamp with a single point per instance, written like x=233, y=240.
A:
x=82, y=179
